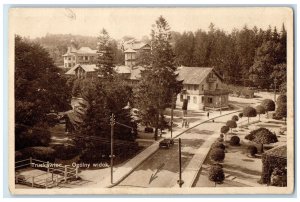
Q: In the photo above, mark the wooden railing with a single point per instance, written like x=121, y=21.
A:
x=57, y=174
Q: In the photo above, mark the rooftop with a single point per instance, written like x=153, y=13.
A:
x=193, y=75
x=87, y=68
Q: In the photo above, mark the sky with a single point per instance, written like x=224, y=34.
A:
x=137, y=22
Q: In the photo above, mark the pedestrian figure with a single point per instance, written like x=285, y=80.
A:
x=187, y=124
x=208, y=115
x=183, y=122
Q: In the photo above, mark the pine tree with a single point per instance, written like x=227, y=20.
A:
x=158, y=83
x=105, y=57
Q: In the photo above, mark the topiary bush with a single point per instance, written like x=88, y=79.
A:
x=260, y=110
x=231, y=124
x=249, y=112
x=234, y=141
x=216, y=174
x=218, y=145
x=252, y=150
x=241, y=114
x=268, y=104
x=235, y=118
x=220, y=139
x=217, y=154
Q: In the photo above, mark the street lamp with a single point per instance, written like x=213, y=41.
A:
x=113, y=122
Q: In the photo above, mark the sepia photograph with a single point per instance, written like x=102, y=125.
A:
x=151, y=100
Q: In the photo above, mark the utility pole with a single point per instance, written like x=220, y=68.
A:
x=112, y=123
x=172, y=108
x=275, y=82
x=180, y=181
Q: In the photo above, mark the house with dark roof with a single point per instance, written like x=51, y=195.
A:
x=81, y=71
x=202, y=87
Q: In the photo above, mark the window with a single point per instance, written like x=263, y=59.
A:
x=86, y=57
x=80, y=57
x=188, y=97
x=210, y=100
x=202, y=99
x=181, y=98
x=217, y=85
x=195, y=87
x=202, y=87
x=70, y=65
x=69, y=58
x=66, y=65
x=195, y=100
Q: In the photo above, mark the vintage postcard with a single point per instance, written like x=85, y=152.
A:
x=164, y=100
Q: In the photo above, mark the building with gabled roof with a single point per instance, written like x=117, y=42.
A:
x=83, y=55
x=203, y=88
x=83, y=71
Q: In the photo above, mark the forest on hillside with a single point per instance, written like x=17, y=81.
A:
x=248, y=57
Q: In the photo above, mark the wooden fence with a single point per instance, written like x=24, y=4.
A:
x=51, y=178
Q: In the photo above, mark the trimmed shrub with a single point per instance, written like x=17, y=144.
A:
x=216, y=174
x=262, y=136
x=218, y=145
x=221, y=136
x=281, y=99
x=281, y=112
x=249, y=112
x=260, y=110
x=234, y=141
x=241, y=114
x=268, y=104
x=231, y=124
x=224, y=129
x=235, y=118
x=219, y=139
x=252, y=150
x=217, y=154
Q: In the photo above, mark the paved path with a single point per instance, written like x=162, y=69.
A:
x=194, y=155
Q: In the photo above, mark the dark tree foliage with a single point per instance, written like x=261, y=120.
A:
x=158, y=84
x=235, y=141
x=244, y=57
x=262, y=136
x=252, y=150
x=224, y=129
x=235, y=118
x=218, y=145
x=281, y=99
x=217, y=154
x=260, y=110
x=231, y=124
x=105, y=61
x=241, y=114
x=38, y=91
x=216, y=174
x=268, y=104
x=249, y=112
